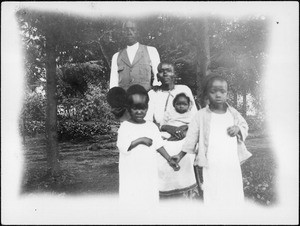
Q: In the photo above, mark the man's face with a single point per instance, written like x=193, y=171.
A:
x=130, y=32
x=166, y=74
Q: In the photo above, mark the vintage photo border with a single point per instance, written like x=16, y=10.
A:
x=281, y=87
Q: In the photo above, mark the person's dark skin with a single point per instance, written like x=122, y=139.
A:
x=130, y=32
x=166, y=74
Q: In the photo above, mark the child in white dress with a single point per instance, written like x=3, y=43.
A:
x=138, y=140
x=220, y=131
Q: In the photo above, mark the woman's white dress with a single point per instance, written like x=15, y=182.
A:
x=138, y=176
x=222, y=178
x=170, y=180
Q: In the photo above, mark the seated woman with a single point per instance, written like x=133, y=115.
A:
x=183, y=182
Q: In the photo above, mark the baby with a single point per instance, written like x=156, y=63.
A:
x=180, y=116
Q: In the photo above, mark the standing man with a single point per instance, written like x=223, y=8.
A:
x=136, y=64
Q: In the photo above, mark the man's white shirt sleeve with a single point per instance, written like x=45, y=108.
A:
x=114, y=77
x=155, y=60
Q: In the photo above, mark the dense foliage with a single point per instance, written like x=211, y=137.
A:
x=83, y=112
x=85, y=47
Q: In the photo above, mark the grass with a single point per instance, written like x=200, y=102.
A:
x=93, y=168
x=259, y=172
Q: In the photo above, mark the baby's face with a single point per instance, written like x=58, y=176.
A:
x=182, y=105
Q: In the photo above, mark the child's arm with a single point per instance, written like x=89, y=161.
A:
x=240, y=129
x=171, y=162
x=142, y=140
x=192, y=138
x=179, y=156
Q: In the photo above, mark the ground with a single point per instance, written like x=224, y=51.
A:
x=92, y=167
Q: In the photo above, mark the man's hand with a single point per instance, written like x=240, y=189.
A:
x=233, y=131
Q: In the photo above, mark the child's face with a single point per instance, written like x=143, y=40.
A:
x=181, y=105
x=218, y=92
x=139, y=108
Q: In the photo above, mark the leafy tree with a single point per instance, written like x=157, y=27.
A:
x=54, y=34
x=238, y=52
x=70, y=55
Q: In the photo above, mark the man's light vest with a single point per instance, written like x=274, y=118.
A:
x=139, y=72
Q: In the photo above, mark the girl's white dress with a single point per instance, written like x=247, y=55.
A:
x=222, y=179
x=138, y=175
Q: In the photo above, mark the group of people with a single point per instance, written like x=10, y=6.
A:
x=158, y=115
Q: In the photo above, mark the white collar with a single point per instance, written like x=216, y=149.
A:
x=134, y=46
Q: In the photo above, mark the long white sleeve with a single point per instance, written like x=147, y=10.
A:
x=192, y=136
x=155, y=60
x=123, y=140
x=194, y=107
x=151, y=105
x=114, y=77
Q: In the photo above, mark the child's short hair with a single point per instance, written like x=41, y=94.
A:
x=116, y=98
x=136, y=89
x=181, y=95
x=210, y=79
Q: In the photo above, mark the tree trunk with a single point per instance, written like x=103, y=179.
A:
x=104, y=55
x=203, y=56
x=51, y=110
x=235, y=100
x=244, y=110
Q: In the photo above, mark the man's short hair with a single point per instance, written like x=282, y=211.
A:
x=131, y=20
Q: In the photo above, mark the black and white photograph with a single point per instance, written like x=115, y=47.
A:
x=149, y=113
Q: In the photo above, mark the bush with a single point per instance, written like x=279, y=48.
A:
x=33, y=114
x=74, y=130
x=32, y=128
x=256, y=123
